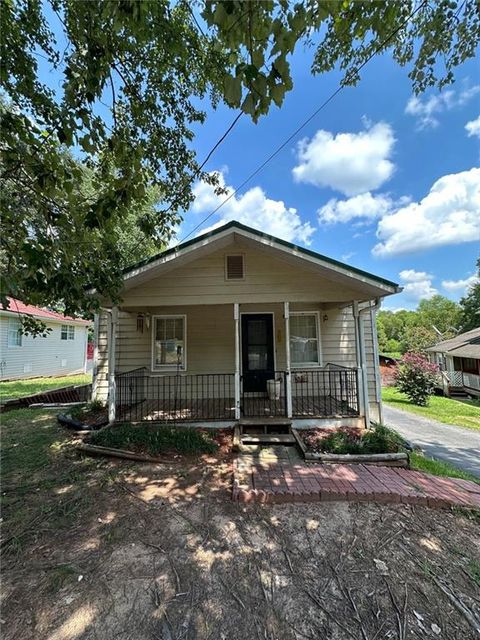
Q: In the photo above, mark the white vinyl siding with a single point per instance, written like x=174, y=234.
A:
x=41, y=356
x=169, y=344
x=304, y=339
x=14, y=338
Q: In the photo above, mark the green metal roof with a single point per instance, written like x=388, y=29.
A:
x=242, y=227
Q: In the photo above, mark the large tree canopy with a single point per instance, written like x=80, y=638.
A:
x=121, y=83
x=470, y=305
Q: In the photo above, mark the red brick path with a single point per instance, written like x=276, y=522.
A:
x=281, y=481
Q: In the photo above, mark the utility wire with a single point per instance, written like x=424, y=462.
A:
x=304, y=124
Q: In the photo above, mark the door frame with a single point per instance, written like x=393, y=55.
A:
x=274, y=337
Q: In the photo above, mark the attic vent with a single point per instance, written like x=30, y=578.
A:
x=234, y=267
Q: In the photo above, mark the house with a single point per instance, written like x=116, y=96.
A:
x=236, y=325
x=63, y=351
x=459, y=362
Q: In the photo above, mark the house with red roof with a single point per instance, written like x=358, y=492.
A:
x=62, y=351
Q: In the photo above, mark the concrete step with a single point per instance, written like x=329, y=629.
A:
x=267, y=438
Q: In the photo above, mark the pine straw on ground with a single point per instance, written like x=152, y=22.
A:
x=98, y=549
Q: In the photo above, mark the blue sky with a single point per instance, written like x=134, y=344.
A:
x=365, y=197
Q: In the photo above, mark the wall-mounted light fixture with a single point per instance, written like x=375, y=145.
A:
x=325, y=317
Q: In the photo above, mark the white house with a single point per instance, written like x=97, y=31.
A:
x=63, y=351
x=237, y=325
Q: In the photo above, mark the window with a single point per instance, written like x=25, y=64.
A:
x=234, y=267
x=68, y=332
x=14, y=333
x=169, y=342
x=304, y=335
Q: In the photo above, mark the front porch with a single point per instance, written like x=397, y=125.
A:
x=328, y=392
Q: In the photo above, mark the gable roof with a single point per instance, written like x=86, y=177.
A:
x=464, y=345
x=17, y=307
x=230, y=228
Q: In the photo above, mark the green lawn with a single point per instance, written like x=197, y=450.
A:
x=463, y=413
x=19, y=388
x=439, y=468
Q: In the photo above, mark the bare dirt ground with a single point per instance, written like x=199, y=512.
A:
x=95, y=549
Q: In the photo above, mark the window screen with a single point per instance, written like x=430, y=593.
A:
x=14, y=333
x=169, y=342
x=304, y=339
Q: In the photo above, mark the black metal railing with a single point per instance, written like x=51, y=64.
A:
x=169, y=398
x=271, y=401
x=324, y=392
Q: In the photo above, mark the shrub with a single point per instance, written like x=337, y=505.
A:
x=416, y=378
x=379, y=439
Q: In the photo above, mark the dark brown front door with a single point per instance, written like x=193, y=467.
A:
x=257, y=351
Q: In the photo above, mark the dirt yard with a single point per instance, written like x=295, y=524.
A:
x=95, y=549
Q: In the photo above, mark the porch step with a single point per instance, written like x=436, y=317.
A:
x=260, y=422
x=268, y=438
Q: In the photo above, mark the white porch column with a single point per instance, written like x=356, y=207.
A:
x=288, y=385
x=96, y=330
x=112, y=337
x=236, y=318
x=358, y=353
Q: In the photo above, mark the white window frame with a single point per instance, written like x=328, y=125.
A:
x=62, y=327
x=234, y=255
x=18, y=324
x=158, y=368
x=307, y=365
x=71, y=332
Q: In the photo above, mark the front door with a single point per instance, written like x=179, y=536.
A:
x=257, y=351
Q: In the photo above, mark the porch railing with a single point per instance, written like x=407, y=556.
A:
x=141, y=396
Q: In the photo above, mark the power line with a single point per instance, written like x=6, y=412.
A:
x=304, y=124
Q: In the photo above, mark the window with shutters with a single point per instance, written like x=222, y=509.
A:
x=234, y=267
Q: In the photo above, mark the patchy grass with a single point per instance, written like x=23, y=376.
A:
x=155, y=439
x=20, y=388
x=343, y=440
x=446, y=410
x=439, y=468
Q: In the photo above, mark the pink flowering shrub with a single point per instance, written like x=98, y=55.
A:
x=415, y=377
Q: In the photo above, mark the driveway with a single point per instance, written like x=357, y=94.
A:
x=447, y=442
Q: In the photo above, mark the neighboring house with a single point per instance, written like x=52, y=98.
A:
x=388, y=366
x=239, y=325
x=61, y=352
x=459, y=361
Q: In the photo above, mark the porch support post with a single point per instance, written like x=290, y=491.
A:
x=112, y=336
x=358, y=353
x=236, y=318
x=288, y=385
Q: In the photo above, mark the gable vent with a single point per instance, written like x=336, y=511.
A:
x=234, y=267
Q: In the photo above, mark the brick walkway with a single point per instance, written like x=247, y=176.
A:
x=282, y=481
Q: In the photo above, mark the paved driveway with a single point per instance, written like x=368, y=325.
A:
x=456, y=445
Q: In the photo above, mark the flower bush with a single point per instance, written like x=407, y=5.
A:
x=416, y=378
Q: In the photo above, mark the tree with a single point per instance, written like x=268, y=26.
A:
x=416, y=378
x=129, y=76
x=441, y=314
x=416, y=339
x=470, y=305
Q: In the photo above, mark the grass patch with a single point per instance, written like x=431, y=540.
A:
x=346, y=440
x=155, y=439
x=439, y=468
x=447, y=410
x=20, y=388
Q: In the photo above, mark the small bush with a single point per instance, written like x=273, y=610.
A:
x=381, y=439
x=416, y=377
x=155, y=439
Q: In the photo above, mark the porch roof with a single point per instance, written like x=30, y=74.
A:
x=370, y=284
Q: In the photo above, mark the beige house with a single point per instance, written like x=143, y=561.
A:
x=236, y=325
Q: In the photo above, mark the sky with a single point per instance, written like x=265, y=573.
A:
x=379, y=179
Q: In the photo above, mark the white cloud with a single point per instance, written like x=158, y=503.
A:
x=365, y=206
x=460, y=286
x=417, y=285
x=426, y=109
x=473, y=127
x=253, y=209
x=351, y=163
x=448, y=214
